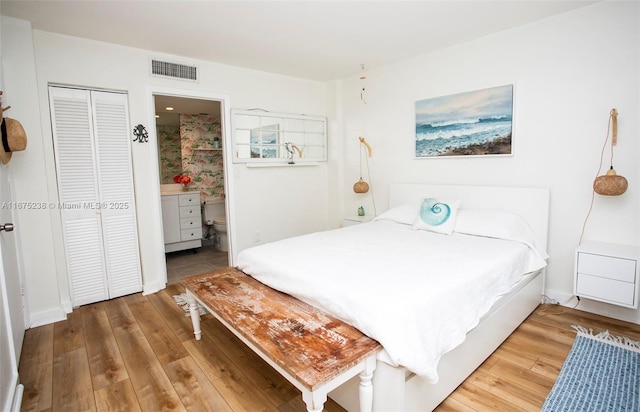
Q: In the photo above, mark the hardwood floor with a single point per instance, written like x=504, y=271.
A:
x=186, y=262
x=137, y=353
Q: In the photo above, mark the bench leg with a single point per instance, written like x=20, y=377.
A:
x=195, y=315
x=366, y=386
x=314, y=400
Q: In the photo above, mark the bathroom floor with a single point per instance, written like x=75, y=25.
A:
x=186, y=263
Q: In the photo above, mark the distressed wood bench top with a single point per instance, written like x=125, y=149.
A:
x=307, y=343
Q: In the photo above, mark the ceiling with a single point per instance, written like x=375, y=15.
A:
x=316, y=40
x=182, y=105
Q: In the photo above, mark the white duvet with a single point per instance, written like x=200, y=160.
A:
x=416, y=292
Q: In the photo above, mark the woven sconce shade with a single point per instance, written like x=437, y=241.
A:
x=361, y=186
x=610, y=184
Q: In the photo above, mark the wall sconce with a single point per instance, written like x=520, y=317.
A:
x=140, y=133
x=361, y=186
x=610, y=184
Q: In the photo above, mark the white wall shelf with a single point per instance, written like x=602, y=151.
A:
x=254, y=165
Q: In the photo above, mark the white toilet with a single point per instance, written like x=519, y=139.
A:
x=213, y=215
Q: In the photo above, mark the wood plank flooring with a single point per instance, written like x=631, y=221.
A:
x=137, y=353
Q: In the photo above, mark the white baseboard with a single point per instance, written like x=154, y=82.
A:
x=66, y=306
x=17, y=398
x=562, y=298
x=47, y=317
x=153, y=287
x=593, y=306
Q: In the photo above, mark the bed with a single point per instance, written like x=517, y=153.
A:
x=439, y=297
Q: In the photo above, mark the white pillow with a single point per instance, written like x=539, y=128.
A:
x=404, y=214
x=496, y=224
x=437, y=215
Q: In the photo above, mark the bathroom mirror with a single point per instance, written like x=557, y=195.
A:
x=264, y=137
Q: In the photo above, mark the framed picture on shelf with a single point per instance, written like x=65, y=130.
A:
x=264, y=141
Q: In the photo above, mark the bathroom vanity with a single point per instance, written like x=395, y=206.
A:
x=181, y=221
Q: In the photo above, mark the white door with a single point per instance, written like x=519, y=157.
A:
x=115, y=186
x=95, y=186
x=12, y=318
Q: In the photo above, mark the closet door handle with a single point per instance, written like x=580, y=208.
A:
x=7, y=227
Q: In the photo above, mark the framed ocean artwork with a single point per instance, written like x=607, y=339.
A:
x=474, y=123
x=265, y=141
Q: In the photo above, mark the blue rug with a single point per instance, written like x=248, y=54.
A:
x=601, y=373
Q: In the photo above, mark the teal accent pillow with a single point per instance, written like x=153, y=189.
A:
x=437, y=215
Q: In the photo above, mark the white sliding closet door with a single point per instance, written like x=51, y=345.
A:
x=95, y=186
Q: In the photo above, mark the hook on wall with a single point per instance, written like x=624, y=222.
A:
x=141, y=134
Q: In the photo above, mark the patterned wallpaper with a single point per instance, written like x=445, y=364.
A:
x=169, y=152
x=187, y=149
x=199, y=160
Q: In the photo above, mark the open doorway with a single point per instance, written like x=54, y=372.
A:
x=190, y=139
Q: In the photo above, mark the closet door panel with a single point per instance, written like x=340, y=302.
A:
x=122, y=256
x=115, y=184
x=84, y=257
x=77, y=187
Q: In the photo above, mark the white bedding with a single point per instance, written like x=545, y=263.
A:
x=416, y=292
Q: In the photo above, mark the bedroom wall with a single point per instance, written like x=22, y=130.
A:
x=568, y=72
x=273, y=202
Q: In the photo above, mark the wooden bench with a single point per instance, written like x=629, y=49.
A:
x=312, y=350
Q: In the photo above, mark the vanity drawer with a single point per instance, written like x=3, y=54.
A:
x=190, y=234
x=190, y=222
x=190, y=199
x=190, y=211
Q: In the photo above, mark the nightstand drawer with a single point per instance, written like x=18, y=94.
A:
x=607, y=290
x=607, y=267
x=607, y=272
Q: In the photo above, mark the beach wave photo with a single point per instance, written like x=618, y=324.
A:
x=471, y=123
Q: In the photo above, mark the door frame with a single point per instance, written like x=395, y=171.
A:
x=227, y=155
x=13, y=320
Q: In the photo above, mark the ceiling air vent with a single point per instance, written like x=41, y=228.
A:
x=174, y=70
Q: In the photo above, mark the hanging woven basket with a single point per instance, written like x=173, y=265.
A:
x=610, y=184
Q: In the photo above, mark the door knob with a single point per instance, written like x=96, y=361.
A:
x=7, y=227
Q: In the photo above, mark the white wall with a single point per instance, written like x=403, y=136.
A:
x=31, y=179
x=568, y=71
x=275, y=202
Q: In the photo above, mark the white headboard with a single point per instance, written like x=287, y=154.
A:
x=532, y=204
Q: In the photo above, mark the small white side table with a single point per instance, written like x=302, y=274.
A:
x=607, y=272
x=355, y=220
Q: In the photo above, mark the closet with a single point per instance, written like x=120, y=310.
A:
x=91, y=135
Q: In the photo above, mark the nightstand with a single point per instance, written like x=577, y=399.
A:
x=607, y=272
x=355, y=220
